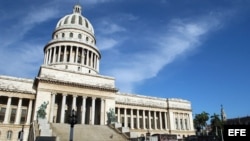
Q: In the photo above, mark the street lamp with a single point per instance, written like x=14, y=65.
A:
x=72, y=122
x=20, y=134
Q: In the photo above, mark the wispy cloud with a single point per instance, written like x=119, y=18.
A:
x=109, y=28
x=29, y=55
x=180, y=37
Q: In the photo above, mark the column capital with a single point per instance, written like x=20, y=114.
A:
x=53, y=93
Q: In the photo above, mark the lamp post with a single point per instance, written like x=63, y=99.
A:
x=72, y=122
x=20, y=134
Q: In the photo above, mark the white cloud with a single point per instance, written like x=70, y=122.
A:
x=109, y=28
x=22, y=61
x=181, y=37
x=106, y=43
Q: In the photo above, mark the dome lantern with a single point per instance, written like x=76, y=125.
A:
x=77, y=9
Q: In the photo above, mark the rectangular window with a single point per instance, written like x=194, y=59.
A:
x=186, y=125
x=181, y=124
x=2, y=113
x=176, y=124
x=13, y=115
x=23, y=116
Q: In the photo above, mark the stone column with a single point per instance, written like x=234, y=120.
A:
x=19, y=111
x=93, y=111
x=76, y=57
x=143, y=119
x=155, y=123
x=54, y=55
x=137, y=119
x=125, y=118
x=166, y=121
x=64, y=54
x=83, y=55
x=83, y=109
x=97, y=65
x=63, y=108
x=102, y=111
x=160, y=120
x=52, y=105
x=118, y=115
x=46, y=57
x=149, y=120
x=59, y=54
x=131, y=119
x=50, y=53
x=70, y=54
x=74, y=102
x=7, y=113
x=87, y=58
x=29, y=112
x=91, y=59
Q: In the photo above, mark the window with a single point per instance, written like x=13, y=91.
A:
x=9, y=135
x=181, y=124
x=63, y=35
x=80, y=20
x=86, y=23
x=186, y=125
x=13, y=115
x=73, y=19
x=87, y=39
x=23, y=115
x=176, y=123
x=71, y=35
x=2, y=113
x=80, y=36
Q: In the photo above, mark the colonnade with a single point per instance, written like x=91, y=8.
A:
x=14, y=113
x=89, y=110
x=71, y=54
x=182, y=121
x=142, y=119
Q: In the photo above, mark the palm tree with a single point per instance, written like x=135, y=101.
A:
x=200, y=121
x=216, y=123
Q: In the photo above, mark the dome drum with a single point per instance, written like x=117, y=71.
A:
x=74, y=58
x=74, y=35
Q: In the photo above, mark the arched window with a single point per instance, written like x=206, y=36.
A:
x=87, y=39
x=9, y=134
x=80, y=20
x=80, y=36
x=71, y=35
x=63, y=35
x=73, y=19
x=86, y=23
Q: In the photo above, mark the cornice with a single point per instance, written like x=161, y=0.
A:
x=53, y=81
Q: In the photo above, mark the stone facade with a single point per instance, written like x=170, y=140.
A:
x=69, y=80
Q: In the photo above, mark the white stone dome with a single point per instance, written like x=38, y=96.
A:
x=75, y=20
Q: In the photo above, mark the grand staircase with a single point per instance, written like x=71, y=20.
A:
x=87, y=133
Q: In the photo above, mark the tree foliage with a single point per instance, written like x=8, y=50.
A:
x=200, y=120
x=216, y=123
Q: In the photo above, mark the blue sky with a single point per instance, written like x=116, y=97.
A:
x=190, y=49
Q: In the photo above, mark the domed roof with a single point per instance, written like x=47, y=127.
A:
x=75, y=20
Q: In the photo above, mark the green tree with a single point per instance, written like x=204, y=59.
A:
x=200, y=121
x=216, y=124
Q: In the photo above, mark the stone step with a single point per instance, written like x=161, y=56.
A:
x=86, y=132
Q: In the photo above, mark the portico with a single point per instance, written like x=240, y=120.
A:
x=87, y=108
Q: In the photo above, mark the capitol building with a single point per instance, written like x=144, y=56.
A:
x=69, y=79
